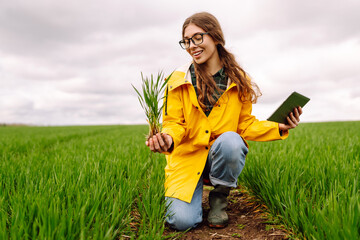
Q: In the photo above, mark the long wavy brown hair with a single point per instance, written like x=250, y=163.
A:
x=247, y=90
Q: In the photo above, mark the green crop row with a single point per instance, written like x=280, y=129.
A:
x=311, y=180
x=101, y=182
x=80, y=183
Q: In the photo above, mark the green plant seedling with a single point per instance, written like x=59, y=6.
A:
x=149, y=98
x=236, y=235
x=240, y=226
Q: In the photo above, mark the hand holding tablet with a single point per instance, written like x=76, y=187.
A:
x=282, y=112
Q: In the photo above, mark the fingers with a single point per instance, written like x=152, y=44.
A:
x=151, y=144
x=291, y=122
x=294, y=120
x=300, y=110
x=168, y=140
x=154, y=144
x=294, y=117
x=159, y=143
x=297, y=113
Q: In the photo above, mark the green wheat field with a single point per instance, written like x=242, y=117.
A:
x=101, y=182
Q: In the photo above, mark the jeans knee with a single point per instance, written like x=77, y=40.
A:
x=182, y=222
x=233, y=145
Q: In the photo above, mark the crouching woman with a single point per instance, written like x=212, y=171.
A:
x=206, y=120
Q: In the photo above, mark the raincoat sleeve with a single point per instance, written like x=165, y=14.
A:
x=173, y=116
x=254, y=130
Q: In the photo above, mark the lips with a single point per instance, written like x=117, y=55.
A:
x=197, y=53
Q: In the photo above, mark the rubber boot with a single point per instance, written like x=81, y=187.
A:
x=218, y=217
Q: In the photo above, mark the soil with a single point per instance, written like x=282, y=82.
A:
x=248, y=219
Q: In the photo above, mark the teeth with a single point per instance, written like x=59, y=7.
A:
x=196, y=54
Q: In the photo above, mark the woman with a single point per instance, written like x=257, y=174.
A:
x=206, y=120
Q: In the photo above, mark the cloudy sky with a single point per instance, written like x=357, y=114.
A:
x=73, y=62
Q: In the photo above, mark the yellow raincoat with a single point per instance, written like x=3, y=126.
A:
x=193, y=132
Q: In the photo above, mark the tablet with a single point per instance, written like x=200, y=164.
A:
x=293, y=101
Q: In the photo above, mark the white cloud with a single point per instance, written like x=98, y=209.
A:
x=73, y=62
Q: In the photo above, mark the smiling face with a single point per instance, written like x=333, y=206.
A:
x=206, y=52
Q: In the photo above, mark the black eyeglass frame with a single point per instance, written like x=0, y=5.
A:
x=181, y=42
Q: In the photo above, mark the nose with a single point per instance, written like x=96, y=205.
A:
x=192, y=43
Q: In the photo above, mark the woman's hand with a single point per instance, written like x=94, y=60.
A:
x=159, y=142
x=292, y=120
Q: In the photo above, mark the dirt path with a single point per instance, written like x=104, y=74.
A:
x=247, y=220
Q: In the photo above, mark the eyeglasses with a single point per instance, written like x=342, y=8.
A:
x=197, y=39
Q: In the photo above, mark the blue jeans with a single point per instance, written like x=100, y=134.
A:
x=225, y=161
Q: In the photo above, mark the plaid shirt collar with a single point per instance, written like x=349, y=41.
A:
x=220, y=79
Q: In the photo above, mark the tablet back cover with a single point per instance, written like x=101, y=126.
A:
x=294, y=100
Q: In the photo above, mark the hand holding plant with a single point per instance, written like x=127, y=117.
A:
x=152, y=92
x=160, y=143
